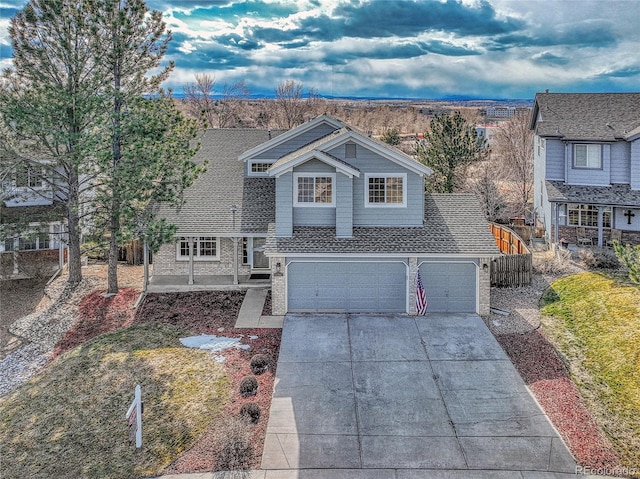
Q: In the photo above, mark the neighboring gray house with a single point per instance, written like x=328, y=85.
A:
x=587, y=166
x=338, y=220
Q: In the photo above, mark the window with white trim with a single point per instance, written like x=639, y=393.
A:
x=205, y=248
x=28, y=176
x=386, y=190
x=587, y=215
x=259, y=168
x=587, y=156
x=313, y=189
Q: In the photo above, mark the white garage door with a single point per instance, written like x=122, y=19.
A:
x=450, y=287
x=352, y=287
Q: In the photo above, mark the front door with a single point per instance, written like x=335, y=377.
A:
x=260, y=261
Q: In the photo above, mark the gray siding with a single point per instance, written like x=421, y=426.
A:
x=538, y=174
x=284, y=205
x=344, y=206
x=589, y=176
x=635, y=164
x=620, y=162
x=368, y=161
x=314, y=215
x=297, y=142
x=555, y=160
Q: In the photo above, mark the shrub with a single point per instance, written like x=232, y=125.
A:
x=236, y=449
x=598, y=258
x=630, y=257
x=259, y=364
x=248, y=386
x=551, y=263
x=250, y=412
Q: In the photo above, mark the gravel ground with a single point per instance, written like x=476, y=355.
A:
x=41, y=330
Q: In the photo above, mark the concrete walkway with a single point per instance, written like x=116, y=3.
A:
x=250, y=315
x=365, y=396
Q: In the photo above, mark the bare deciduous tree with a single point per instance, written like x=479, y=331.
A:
x=514, y=145
x=484, y=179
x=224, y=112
x=293, y=105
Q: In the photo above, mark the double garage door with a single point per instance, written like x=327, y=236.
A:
x=378, y=287
x=352, y=287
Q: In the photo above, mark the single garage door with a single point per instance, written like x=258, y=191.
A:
x=450, y=287
x=352, y=287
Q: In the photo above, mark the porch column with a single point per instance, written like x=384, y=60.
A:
x=190, y=239
x=145, y=260
x=600, y=225
x=556, y=220
x=235, y=260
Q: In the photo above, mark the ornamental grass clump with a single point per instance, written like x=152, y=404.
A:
x=248, y=386
x=250, y=412
x=259, y=364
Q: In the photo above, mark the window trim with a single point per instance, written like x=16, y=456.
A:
x=367, y=204
x=196, y=253
x=258, y=161
x=331, y=204
x=583, y=207
x=32, y=172
x=587, y=167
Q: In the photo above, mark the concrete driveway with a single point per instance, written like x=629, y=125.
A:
x=392, y=396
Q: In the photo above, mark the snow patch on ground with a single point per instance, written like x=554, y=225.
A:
x=212, y=342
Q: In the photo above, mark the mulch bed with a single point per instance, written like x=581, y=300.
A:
x=542, y=369
x=210, y=312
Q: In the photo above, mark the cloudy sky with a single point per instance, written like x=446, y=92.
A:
x=401, y=48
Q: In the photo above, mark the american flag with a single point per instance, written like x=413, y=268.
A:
x=421, y=297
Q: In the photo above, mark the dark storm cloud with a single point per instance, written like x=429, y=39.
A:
x=592, y=33
x=626, y=72
x=206, y=55
x=393, y=19
x=550, y=58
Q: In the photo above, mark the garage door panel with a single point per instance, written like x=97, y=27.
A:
x=347, y=286
x=450, y=287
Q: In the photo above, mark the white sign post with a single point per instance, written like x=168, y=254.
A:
x=134, y=416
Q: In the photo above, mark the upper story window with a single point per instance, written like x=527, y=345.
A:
x=587, y=156
x=28, y=176
x=258, y=168
x=386, y=190
x=313, y=189
x=205, y=248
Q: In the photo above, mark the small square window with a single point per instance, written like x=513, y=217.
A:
x=587, y=156
x=260, y=167
x=313, y=190
x=385, y=190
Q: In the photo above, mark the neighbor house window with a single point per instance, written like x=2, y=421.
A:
x=28, y=176
x=259, y=167
x=28, y=243
x=587, y=156
x=386, y=190
x=205, y=248
x=313, y=190
x=587, y=215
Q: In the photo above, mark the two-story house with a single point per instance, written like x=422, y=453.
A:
x=587, y=166
x=31, y=220
x=338, y=221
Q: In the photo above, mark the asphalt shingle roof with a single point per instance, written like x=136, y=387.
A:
x=453, y=224
x=587, y=116
x=618, y=195
x=207, y=203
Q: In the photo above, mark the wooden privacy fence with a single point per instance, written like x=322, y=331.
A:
x=515, y=267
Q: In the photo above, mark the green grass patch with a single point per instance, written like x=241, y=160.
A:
x=596, y=322
x=69, y=422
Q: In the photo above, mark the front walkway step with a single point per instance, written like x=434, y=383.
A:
x=251, y=309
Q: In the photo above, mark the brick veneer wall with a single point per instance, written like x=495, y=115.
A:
x=165, y=262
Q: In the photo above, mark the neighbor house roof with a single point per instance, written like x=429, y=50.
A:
x=586, y=116
x=453, y=224
x=618, y=195
x=208, y=202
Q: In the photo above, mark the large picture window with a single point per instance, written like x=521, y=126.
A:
x=386, y=190
x=587, y=215
x=313, y=190
x=205, y=248
x=587, y=156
